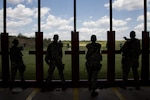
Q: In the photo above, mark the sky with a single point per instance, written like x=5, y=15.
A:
x=92, y=18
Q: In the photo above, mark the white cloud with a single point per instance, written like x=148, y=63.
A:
x=148, y=16
x=1, y=20
x=19, y=1
x=22, y=16
x=19, y=17
x=29, y=1
x=127, y=4
x=101, y=26
x=66, y=27
x=15, y=1
x=62, y=35
x=19, y=23
x=53, y=21
x=148, y=25
x=104, y=21
x=31, y=34
x=85, y=33
x=44, y=12
x=90, y=23
x=87, y=30
x=91, y=17
x=119, y=23
x=139, y=27
x=128, y=19
x=141, y=17
x=120, y=32
x=19, y=12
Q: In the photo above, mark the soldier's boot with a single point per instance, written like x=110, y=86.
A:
x=23, y=83
x=94, y=93
x=64, y=87
x=137, y=87
x=63, y=84
x=61, y=75
x=12, y=83
x=89, y=83
x=124, y=84
x=49, y=85
x=90, y=86
x=43, y=87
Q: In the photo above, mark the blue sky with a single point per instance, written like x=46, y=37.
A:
x=92, y=18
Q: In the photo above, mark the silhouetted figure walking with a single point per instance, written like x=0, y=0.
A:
x=130, y=56
x=54, y=58
x=93, y=64
x=16, y=62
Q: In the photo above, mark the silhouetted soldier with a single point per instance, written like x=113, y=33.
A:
x=93, y=64
x=54, y=58
x=130, y=56
x=16, y=62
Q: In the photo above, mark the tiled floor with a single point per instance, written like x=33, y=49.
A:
x=113, y=93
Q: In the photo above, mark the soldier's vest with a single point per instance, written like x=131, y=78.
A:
x=132, y=50
x=55, y=51
x=15, y=54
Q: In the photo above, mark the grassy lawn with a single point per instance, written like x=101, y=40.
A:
x=30, y=66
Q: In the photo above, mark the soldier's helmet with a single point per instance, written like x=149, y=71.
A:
x=93, y=38
x=132, y=34
x=15, y=42
x=55, y=37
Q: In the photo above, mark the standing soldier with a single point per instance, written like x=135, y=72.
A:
x=130, y=56
x=93, y=64
x=16, y=62
x=54, y=58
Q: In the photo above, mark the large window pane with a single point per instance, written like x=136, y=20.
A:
x=92, y=18
x=1, y=30
x=126, y=17
x=0, y=65
x=57, y=18
x=22, y=24
x=148, y=24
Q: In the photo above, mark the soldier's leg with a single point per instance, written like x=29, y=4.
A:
x=48, y=83
x=94, y=83
x=21, y=71
x=90, y=80
x=125, y=69
x=50, y=73
x=136, y=76
x=21, y=74
x=89, y=72
x=13, y=71
x=60, y=70
x=13, y=74
x=94, y=79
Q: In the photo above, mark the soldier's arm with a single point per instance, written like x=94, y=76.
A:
x=127, y=39
x=123, y=47
x=101, y=58
x=47, y=57
x=138, y=47
x=87, y=54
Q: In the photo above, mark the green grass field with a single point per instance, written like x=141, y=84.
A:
x=30, y=66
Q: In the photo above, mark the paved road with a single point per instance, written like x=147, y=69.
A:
x=113, y=93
